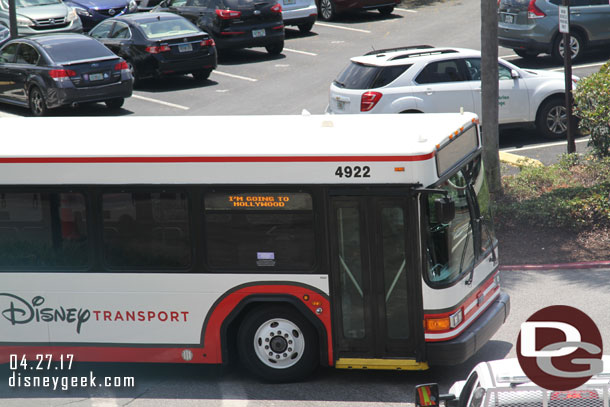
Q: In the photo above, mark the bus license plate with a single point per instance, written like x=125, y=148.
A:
x=96, y=77
x=340, y=105
x=185, y=47
x=258, y=33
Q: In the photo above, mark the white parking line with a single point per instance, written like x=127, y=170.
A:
x=2, y=114
x=405, y=10
x=343, y=28
x=296, y=51
x=579, y=66
x=230, y=75
x=558, y=143
x=160, y=102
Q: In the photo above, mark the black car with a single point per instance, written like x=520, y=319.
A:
x=158, y=44
x=48, y=71
x=234, y=23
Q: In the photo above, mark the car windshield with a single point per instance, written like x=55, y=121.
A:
x=70, y=50
x=168, y=27
x=31, y=3
x=360, y=76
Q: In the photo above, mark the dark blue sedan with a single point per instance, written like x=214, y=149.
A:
x=46, y=71
x=91, y=12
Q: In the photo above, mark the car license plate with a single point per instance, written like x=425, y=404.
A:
x=96, y=77
x=258, y=33
x=509, y=18
x=185, y=47
x=289, y=2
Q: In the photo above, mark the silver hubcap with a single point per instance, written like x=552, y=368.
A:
x=326, y=9
x=557, y=120
x=574, y=47
x=37, y=102
x=279, y=343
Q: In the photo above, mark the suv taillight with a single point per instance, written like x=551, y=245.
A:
x=228, y=14
x=369, y=100
x=533, y=11
x=276, y=8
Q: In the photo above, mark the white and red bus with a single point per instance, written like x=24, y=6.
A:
x=286, y=242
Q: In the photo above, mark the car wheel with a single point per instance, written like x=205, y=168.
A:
x=526, y=53
x=202, y=75
x=305, y=28
x=114, y=104
x=278, y=344
x=386, y=11
x=38, y=105
x=552, y=119
x=327, y=10
x=275, y=49
x=577, y=45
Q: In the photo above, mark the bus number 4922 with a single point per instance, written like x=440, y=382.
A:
x=356, y=172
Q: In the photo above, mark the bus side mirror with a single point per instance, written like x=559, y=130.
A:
x=426, y=395
x=445, y=209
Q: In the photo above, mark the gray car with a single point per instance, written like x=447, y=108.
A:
x=531, y=27
x=41, y=17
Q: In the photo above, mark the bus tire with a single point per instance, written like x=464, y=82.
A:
x=278, y=344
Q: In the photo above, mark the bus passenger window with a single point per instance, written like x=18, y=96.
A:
x=260, y=231
x=143, y=229
x=43, y=230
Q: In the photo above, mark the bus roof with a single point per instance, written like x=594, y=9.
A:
x=73, y=150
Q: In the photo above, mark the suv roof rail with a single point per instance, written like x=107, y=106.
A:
x=421, y=54
x=382, y=51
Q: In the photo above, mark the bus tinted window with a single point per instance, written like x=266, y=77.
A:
x=144, y=229
x=40, y=230
x=260, y=231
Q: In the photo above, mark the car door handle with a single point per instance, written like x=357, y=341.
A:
x=429, y=91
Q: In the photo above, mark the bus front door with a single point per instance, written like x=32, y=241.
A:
x=376, y=289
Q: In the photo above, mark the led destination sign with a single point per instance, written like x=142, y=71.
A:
x=258, y=201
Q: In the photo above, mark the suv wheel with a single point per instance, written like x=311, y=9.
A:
x=552, y=119
x=526, y=53
x=577, y=46
x=327, y=10
x=305, y=28
x=275, y=49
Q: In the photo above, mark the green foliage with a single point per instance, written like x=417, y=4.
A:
x=592, y=106
x=573, y=193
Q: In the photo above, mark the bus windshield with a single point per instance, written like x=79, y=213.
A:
x=453, y=248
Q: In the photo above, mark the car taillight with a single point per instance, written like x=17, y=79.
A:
x=121, y=66
x=208, y=43
x=60, y=74
x=158, y=49
x=369, y=100
x=228, y=14
x=533, y=11
x=276, y=8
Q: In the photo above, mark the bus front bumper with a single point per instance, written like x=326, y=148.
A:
x=473, y=338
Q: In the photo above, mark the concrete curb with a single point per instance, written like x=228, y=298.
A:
x=560, y=266
x=519, y=160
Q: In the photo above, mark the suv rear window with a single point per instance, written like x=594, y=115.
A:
x=361, y=76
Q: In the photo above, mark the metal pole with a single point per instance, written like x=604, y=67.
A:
x=12, y=18
x=567, y=68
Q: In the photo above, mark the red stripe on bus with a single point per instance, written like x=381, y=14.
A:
x=212, y=340
x=104, y=160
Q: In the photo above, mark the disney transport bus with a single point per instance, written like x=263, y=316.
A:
x=287, y=242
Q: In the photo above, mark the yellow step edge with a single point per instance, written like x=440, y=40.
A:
x=519, y=160
x=381, y=364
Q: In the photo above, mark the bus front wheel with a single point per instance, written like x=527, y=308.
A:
x=278, y=344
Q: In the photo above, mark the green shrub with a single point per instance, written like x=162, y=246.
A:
x=592, y=106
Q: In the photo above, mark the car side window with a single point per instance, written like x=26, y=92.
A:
x=102, y=30
x=7, y=55
x=473, y=65
x=27, y=55
x=504, y=72
x=121, y=31
x=442, y=71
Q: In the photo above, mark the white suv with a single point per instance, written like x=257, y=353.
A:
x=424, y=79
